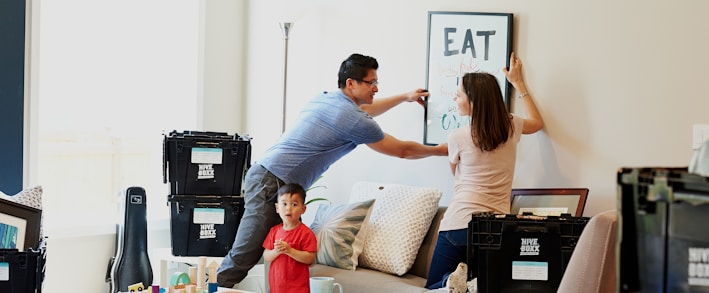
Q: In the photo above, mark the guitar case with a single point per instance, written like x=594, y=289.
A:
x=130, y=267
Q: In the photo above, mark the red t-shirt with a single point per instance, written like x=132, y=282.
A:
x=286, y=274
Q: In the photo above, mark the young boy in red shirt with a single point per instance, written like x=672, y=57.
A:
x=290, y=246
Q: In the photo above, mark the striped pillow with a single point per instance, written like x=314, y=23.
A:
x=337, y=228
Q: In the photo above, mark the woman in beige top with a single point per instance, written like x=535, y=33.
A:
x=482, y=157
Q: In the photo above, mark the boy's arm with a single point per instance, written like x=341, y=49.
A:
x=282, y=247
x=270, y=254
x=305, y=257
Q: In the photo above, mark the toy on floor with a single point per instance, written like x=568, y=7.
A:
x=195, y=281
x=137, y=287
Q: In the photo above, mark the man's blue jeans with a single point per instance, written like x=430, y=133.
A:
x=260, y=195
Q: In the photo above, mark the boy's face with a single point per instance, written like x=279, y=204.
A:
x=290, y=207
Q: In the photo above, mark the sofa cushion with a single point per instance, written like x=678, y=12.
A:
x=369, y=281
x=399, y=220
x=337, y=228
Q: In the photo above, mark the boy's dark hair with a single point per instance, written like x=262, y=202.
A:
x=355, y=67
x=292, y=188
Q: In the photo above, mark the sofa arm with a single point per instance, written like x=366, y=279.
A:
x=591, y=267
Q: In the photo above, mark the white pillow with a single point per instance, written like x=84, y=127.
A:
x=397, y=224
x=338, y=230
x=31, y=197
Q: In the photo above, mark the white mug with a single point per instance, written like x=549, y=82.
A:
x=323, y=285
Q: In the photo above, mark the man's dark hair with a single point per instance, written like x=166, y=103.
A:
x=292, y=188
x=355, y=67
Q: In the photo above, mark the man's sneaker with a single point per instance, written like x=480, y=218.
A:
x=457, y=281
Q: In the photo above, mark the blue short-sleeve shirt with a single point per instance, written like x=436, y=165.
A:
x=330, y=126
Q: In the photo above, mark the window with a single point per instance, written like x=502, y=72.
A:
x=113, y=76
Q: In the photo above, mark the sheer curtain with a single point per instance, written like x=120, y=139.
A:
x=113, y=76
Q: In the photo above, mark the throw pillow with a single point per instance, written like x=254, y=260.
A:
x=31, y=197
x=398, y=222
x=337, y=228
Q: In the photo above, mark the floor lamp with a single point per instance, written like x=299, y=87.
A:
x=285, y=27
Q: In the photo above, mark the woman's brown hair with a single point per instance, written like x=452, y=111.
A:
x=490, y=123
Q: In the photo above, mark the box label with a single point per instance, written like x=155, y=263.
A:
x=529, y=246
x=208, y=216
x=530, y=270
x=206, y=171
x=206, y=156
x=4, y=271
x=698, y=266
x=207, y=231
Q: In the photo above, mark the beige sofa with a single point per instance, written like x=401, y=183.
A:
x=369, y=281
x=590, y=269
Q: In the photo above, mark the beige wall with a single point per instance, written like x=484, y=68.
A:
x=618, y=83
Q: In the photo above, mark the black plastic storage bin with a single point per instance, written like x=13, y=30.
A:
x=25, y=271
x=204, y=225
x=521, y=253
x=205, y=163
x=664, y=246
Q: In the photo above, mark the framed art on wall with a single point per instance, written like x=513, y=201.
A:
x=458, y=43
x=19, y=226
x=548, y=201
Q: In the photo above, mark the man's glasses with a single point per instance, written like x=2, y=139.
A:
x=372, y=83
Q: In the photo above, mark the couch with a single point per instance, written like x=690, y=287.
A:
x=370, y=281
x=590, y=269
x=388, y=209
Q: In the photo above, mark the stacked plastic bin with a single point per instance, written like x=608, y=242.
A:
x=205, y=171
x=21, y=271
x=521, y=253
x=664, y=245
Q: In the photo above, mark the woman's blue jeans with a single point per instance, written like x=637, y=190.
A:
x=451, y=249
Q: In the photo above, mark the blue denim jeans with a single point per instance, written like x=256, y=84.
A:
x=451, y=249
x=260, y=195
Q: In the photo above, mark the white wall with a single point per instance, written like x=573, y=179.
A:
x=223, y=55
x=616, y=82
x=77, y=259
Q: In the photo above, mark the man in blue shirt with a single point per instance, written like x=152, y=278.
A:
x=329, y=127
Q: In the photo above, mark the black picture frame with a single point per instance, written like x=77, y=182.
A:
x=461, y=42
x=32, y=221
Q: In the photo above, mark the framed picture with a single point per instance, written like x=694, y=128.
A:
x=458, y=43
x=19, y=225
x=548, y=201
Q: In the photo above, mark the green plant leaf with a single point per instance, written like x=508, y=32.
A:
x=317, y=199
x=314, y=187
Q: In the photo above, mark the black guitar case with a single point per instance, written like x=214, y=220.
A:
x=131, y=264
